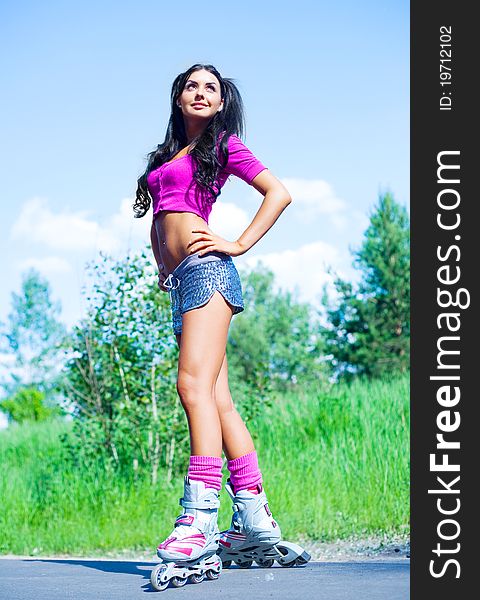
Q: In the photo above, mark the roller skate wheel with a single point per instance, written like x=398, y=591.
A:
x=284, y=551
x=266, y=564
x=226, y=564
x=290, y=564
x=246, y=564
x=211, y=574
x=155, y=578
x=195, y=578
x=179, y=581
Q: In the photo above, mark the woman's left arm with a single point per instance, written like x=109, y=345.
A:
x=274, y=203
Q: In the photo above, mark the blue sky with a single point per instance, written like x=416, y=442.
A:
x=85, y=96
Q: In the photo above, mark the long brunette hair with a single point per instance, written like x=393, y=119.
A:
x=230, y=120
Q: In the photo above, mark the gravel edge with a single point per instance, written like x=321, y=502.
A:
x=354, y=549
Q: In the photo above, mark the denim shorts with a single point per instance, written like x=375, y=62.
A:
x=194, y=281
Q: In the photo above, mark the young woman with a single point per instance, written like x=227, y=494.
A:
x=184, y=177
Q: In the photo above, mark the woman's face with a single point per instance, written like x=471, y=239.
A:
x=200, y=98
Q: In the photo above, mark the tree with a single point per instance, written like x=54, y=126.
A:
x=119, y=376
x=28, y=404
x=369, y=328
x=32, y=338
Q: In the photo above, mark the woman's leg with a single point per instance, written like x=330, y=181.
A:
x=202, y=350
x=236, y=438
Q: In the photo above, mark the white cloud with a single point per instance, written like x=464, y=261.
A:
x=79, y=237
x=76, y=231
x=304, y=268
x=67, y=230
x=228, y=220
x=128, y=231
x=46, y=265
x=314, y=198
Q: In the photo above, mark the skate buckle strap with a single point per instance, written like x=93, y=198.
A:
x=193, y=521
x=184, y=519
x=211, y=502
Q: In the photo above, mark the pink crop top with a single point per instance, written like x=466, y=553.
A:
x=173, y=187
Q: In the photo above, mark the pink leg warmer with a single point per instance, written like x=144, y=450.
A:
x=245, y=474
x=207, y=469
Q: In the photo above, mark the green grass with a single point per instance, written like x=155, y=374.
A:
x=335, y=463
x=338, y=461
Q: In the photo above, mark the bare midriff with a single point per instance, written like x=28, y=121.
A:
x=174, y=232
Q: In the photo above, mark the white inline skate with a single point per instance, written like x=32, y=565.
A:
x=189, y=553
x=254, y=535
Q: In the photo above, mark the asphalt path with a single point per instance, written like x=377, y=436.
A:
x=77, y=579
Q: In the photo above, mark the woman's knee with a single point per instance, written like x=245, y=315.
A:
x=224, y=404
x=194, y=391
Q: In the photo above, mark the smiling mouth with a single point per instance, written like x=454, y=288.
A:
x=199, y=105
